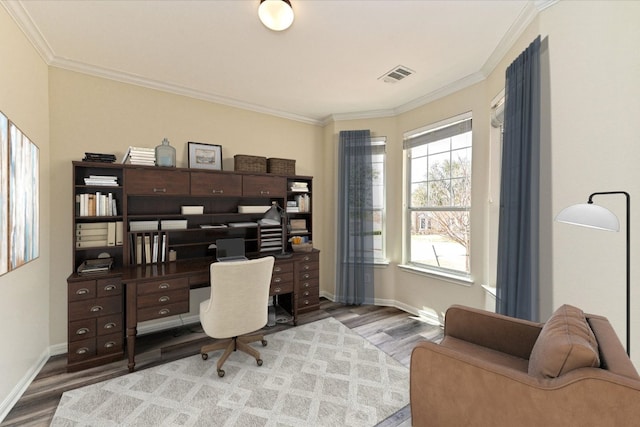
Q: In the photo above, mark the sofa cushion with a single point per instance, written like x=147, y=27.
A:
x=565, y=343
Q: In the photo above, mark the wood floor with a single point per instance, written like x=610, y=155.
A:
x=390, y=329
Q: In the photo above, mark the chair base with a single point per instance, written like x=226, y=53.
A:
x=232, y=344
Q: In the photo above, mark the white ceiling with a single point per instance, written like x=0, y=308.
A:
x=327, y=64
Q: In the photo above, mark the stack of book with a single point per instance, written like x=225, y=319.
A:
x=96, y=204
x=98, y=234
x=302, y=204
x=299, y=186
x=140, y=156
x=102, y=180
x=99, y=157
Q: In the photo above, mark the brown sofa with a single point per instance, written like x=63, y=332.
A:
x=494, y=370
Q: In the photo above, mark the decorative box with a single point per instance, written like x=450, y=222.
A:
x=281, y=166
x=244, y=163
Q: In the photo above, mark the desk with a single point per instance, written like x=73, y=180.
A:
x=162, y=290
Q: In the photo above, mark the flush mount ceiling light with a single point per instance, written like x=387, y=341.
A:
x=277, y=15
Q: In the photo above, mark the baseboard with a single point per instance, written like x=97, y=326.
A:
x=379, y=301
x=17, y=392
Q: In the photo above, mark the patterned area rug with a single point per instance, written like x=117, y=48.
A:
x=318, y=374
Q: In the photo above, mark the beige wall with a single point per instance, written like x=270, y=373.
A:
x=24, y=292
x=98, y=115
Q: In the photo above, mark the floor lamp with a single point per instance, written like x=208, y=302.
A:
x=594, y=216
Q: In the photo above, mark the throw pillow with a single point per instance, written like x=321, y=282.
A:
x=565, y=343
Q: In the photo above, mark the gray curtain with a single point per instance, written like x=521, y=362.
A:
x=518, y=241
x=354, y=281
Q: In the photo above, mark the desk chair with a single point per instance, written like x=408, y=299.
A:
x=238, y=306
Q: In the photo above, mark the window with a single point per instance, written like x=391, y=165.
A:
x=378, y=157
x=438, y=202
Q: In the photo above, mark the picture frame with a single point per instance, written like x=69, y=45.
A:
x=205, y=156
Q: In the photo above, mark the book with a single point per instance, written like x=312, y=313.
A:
x=119, y=233
x=91, y=232
x=111, y=234
x=91, y=244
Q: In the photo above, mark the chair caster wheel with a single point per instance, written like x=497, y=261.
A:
x=220, y=373
x=205, y=356
x=259, y=362
x=264, y=343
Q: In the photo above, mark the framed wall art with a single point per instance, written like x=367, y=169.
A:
x=19, y=197
x=205, y=156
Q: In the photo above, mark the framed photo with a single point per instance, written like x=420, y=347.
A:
x=205, y=156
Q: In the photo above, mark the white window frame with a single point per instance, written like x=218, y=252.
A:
x=447, y=273
x=378, y=146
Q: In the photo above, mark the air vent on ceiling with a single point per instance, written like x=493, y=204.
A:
x=396, y=74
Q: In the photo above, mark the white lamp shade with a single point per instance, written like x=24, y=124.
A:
x=277, y=15
x=589, y=215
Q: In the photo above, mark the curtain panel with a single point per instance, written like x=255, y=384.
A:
x=518, y=230
x=355, y=256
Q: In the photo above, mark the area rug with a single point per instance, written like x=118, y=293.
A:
x=318, y=374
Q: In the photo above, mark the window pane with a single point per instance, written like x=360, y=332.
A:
x=440, y=239
x=419, y=168
x=442, y=146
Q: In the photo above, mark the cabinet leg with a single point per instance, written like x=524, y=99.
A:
x=131, y=347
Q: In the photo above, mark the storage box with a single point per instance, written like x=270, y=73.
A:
x=192, y=210
x=302, y=247
x=281, y=166
x=244, y=163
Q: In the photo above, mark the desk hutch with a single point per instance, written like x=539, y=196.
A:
x=105, y=308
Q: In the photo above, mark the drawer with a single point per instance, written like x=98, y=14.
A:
x=156, y=182
x=216, y=184
x=199, y=279
x=109, y=324
x=161, y=299
x=308, y=284
x=309, y=266
x=82, y=329
x=81, y=350
x=107, y=344
x=109, y=287
x=312, y=256
x=282, y=267
x=79, y=291
x=311, y=302
x=281, y=288
x=312, y=291
x=162, y=285
x=309, y=275
x=166, y=311
x=95, y=308
x=281, y=279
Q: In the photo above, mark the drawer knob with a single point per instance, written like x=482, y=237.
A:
x=306, y=293
x=159, y=190
x=306, y=302
x=110, y=325
x=82, y=350
x=164, y=285
x=164, y=312
x=163, y=298
x=109, y=344
x=82, y=291
x=306, y=267
x=306, y=258
x=109, y=288
x=263, y=192
x=277, y=290
x=214, y=191
x=82, y=331
x=306, y=275
x=96, y=308
x=277, y=269
x=306, y=285
x=277, y=280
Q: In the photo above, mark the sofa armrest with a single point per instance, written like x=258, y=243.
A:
x=495, y=331
x=448, y=387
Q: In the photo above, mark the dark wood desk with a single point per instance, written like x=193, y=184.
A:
x=162, y=290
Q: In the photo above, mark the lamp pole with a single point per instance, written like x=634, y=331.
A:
x=590, y=201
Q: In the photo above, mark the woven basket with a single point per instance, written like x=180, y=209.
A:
x=302, y=247
x=281, y=166
x=244, y=163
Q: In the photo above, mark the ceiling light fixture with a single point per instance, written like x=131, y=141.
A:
x=276, y=15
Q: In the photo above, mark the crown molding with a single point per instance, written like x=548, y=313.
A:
x=33, y=34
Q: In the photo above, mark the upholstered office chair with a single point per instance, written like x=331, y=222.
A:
x=238, y=306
